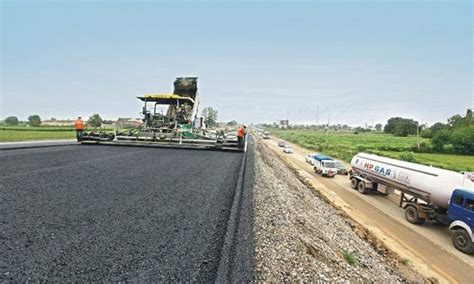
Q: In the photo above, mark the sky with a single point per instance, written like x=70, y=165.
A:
x=356, y=62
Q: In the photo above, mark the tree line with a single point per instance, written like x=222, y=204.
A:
x=455, y=136
x=34, y=120
x=209, y=114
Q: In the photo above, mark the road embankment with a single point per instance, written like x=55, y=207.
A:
x=299, y=237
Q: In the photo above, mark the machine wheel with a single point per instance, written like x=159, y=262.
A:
x=412, y=216
x=361, y=188
x=354, y=183
x=462, y=241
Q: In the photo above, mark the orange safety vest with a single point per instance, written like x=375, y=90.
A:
x=240, y=132
x=79, y=124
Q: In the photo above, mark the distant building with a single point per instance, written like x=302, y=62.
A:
x=284, y=123
x=58, y=122
x=129, y=122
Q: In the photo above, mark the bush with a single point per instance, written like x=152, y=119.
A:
x=408, y=157
x=440, y=139
x=426, y=133
x=462, y=140
x=424, y=148
x=349, y=257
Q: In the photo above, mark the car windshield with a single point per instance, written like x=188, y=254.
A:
x=329, y=164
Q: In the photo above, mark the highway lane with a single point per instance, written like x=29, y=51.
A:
x=104, y=213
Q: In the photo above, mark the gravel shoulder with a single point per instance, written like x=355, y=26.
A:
x=299, y=236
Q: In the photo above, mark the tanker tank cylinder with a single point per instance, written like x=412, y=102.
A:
x=433, y=185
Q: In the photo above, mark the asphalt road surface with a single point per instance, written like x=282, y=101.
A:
x=104, y=213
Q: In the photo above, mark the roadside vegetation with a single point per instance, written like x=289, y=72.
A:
x=12, y=129
x=447, y=145
x=25, y=134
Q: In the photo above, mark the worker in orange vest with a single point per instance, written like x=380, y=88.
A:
x=79, y=126
x=241, y=135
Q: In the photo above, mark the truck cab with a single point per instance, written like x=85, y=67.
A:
x=461, y=216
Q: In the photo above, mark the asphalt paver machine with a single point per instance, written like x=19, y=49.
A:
x=169, y=120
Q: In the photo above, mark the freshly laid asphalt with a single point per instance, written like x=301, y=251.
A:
x=105, y=213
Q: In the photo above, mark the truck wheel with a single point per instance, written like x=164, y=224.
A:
x=354, y=183
x=462, y=241
x=361, y=188
x=412, y=216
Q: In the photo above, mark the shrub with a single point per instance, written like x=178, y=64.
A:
x=349, y=257
x=407, y=156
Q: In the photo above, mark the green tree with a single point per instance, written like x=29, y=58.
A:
x=469, y=117
x=462, y=139
x=378, y=127
x=210, y=116
x=437, y=127
x=11, y=120
x=401, y=126
x=456, y=121
x=34, y=120
x=94, y=120
x=232, y=123
x=440, y=139
x=426, y=133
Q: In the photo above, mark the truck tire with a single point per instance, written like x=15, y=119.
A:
x=361, y=188
x=462, y=241
x=412, y=216
x=354, y=183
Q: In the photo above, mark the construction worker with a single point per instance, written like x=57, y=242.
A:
x=241, y=135
x=79, y=126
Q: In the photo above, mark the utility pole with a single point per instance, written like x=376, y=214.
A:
x=418, y=136
x=317, y=115
x=327, y=130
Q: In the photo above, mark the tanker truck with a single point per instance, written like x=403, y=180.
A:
x=426, y=193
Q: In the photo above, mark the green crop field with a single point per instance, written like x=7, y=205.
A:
x=344, y=145
x=24, y=135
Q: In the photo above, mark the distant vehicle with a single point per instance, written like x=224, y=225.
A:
x=341, y=169
x=287, y=149
x=281, y=143
x=446, y=197
x=325, y=166
x=310, y=158
x=266, y=135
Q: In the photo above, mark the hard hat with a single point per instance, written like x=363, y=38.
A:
x=245, y=125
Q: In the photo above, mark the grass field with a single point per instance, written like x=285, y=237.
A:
x=345, y=145
x=24, y=135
